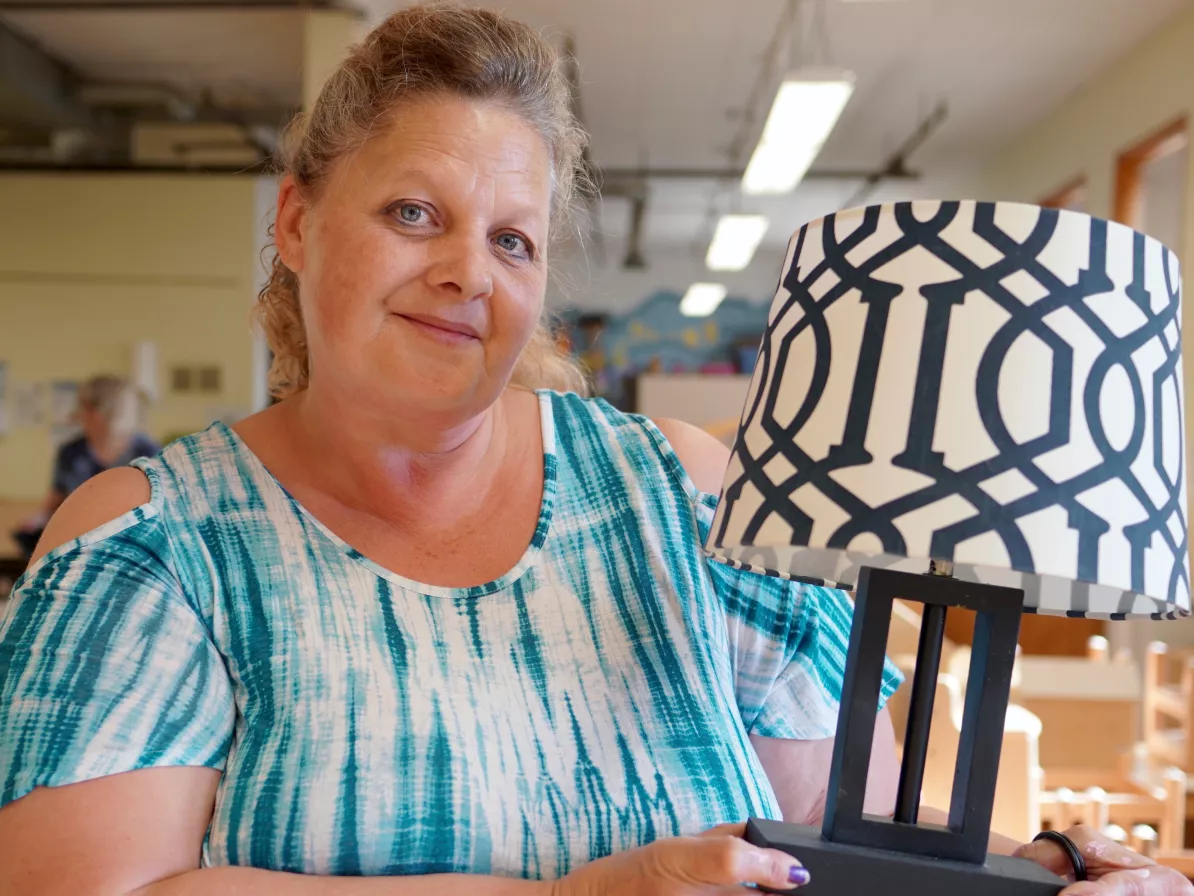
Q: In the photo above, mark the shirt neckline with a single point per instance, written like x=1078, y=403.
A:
x=542, y=527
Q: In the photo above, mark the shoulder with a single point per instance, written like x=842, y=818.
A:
x=99, y=500
x=703, y=457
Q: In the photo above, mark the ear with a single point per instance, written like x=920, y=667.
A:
x=290, y=224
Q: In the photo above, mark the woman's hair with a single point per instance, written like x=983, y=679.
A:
x=116, y=400
x=420, y=52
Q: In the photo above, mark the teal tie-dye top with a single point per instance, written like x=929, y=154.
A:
x=596, y=697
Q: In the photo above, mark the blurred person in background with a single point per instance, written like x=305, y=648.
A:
x=108, y=413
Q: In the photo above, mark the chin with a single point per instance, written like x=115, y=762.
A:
x=438, y=388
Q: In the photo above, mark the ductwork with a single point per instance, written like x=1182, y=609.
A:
x=36, y=90
x=53, y=119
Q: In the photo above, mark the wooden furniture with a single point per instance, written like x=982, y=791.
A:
x=12, y=563
x=1161, y=809
x=1016, y=811
x=1072, y=196
x=1017, y=793
x=1169, y=705
x=1089, y=709
x=1039, y=635
x=1089, y=712
x=1129, y=206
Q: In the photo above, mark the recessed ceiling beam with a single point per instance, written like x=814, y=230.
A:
x=630, y=174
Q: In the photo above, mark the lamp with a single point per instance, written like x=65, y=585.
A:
x=969, y=405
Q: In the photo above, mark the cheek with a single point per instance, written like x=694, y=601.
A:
x=346, y=281
x=518, y=316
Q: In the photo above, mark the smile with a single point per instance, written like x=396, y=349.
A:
x=444, y=331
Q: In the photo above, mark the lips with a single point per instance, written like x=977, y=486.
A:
x=451, y=328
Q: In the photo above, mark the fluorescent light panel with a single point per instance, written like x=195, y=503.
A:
x=735, y=241
x=806, y=109
x=702, y=299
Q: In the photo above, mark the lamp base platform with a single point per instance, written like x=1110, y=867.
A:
x=839, y=869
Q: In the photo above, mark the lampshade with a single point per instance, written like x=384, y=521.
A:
x=990, y=384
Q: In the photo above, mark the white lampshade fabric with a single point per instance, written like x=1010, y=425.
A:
x=992, y=384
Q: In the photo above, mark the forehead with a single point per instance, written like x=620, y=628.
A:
x=466, y=144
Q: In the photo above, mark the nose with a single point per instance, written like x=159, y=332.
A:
x=462, y=263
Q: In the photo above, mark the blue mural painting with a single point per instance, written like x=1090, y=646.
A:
x=655, y=336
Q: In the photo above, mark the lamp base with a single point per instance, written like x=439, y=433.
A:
x=839, y=869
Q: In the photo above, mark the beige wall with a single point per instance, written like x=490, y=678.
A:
x=1149, y=88
x=91, y=265
x=327, y=35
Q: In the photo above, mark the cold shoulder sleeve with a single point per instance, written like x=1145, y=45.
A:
x=107, y=666
x=788, y=645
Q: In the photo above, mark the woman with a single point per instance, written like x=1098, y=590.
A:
x=109, y=414
x=417, y=620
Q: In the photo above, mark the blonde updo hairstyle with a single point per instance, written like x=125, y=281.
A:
x=418, y=53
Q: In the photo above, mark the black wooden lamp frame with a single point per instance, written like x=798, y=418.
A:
x=853, y=853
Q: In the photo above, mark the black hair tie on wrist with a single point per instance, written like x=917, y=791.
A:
x=1070, y=850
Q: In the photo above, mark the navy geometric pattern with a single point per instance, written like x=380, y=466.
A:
x=993, y=384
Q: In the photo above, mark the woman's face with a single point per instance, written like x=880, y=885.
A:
x=92, y=422
x=422, y=264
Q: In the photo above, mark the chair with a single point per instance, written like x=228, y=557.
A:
x=1169, y=705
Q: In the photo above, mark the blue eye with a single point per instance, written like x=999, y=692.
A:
x=514, y=244
x=411, y=214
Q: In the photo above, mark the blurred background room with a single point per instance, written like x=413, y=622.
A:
x=136, y=194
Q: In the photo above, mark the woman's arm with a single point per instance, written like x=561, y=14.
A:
x=799, y=773
x=140, y=834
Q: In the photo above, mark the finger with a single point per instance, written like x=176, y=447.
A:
x=727, y=861
x=726, y=830
x=1104, y=853
x=1153, y=881
x=1101, y=854
x=1049, y=855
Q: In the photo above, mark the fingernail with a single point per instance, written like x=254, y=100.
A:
x=798, y=876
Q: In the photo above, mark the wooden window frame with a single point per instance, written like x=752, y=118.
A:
x=1064, y=198
x=1129, y=171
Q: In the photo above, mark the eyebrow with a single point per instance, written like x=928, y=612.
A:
x=518, y=208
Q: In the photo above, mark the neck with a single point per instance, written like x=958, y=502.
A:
x=388, y=462
x=108, y=446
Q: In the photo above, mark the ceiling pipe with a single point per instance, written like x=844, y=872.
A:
x=608, y=175
x=896, y=166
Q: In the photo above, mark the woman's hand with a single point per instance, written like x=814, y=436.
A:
x=1112, y=870
x=718, y=859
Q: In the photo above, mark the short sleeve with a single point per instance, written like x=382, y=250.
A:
x=105, y=667
x=788, y=645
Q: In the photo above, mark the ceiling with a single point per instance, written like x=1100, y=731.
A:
x=249, y=58
x=662, y=80
x=665, y=82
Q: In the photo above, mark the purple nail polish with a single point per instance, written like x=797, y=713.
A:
x=798, y=876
